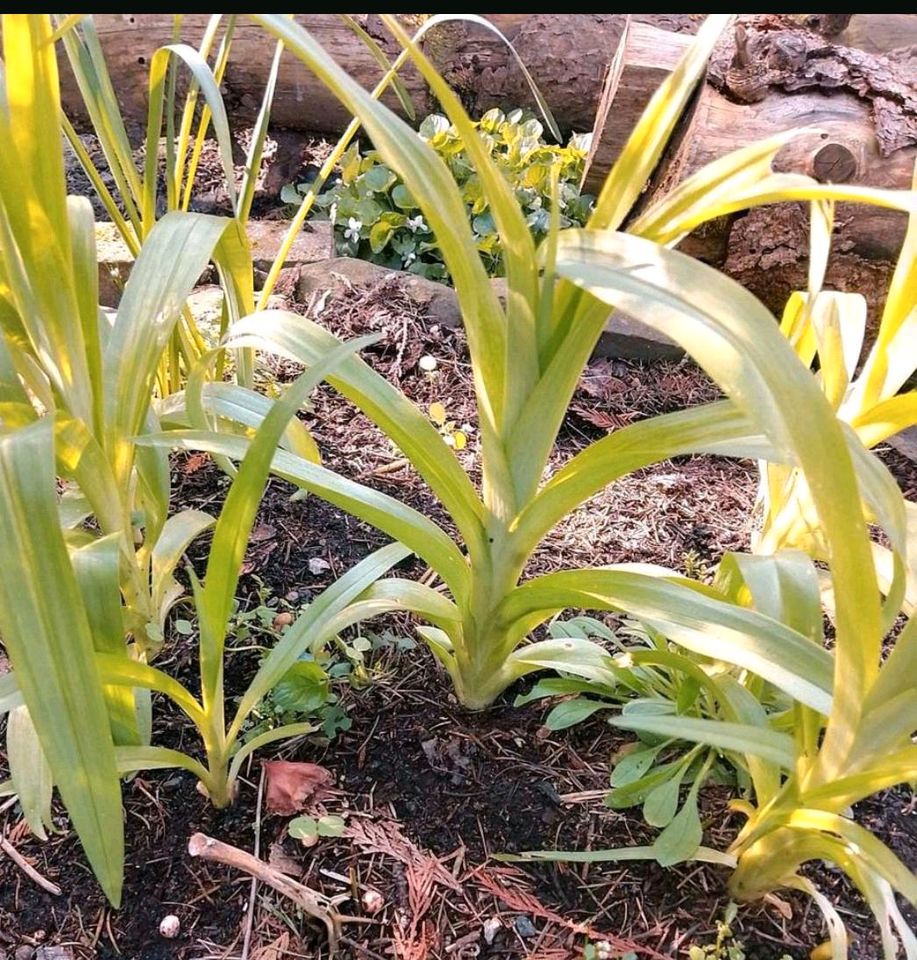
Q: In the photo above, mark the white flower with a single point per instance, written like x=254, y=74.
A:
x=352, y=231
x=415, y=224
x=409, y=258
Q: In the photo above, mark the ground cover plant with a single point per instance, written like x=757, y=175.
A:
x=376, y=218
x=808, y=730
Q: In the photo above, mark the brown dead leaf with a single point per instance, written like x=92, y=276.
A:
x=274, y=950
x=290, y=786
x=195, y=462
x=280, y=860
x=262, y=532
x=602, y=419
x=599, y=380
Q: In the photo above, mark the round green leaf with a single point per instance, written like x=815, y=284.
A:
x=402, y=198
x=303, y=688
x=304, y=829
x=379, y=235
x=331, y=826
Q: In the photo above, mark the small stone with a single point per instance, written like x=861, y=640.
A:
x=169, y=926
x=491, y=926
x=524, y=927
x=283, y=619
x=25, y=952
x=427, y=363
x=317, y=566
x=372, y=901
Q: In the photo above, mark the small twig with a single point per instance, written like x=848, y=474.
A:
x=354, y=945
x=310, y=901
x=252, y=897
x=392, y=466
x=27, y=868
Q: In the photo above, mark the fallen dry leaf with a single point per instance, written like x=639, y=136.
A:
x=291, y=785
x=195, y=462
x=274, y=950
x=280, y=860
x=602, y=419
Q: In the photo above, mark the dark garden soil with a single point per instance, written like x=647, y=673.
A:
x=429, y=792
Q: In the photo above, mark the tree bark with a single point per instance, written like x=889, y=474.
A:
x=861, y=111
x=568, y=55
x=646, y=55
x=301, y=100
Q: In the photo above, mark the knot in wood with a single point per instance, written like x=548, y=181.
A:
x=834, y=163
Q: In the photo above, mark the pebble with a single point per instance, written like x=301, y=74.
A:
x=491, y=926
x=169, y=926
x=373, y=901
x=524, y=927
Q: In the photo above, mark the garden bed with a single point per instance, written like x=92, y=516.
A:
x=430, y=792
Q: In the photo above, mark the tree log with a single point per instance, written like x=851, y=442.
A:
x=861, y=111
x=646, y=56
x=864, y=106
x=301, y=101
x=568, y=55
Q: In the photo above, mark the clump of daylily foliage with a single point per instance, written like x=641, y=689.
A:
x=376, y=218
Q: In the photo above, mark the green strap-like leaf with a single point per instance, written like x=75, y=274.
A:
x=434, y=188
x=286, y=732
x=132, y=759
x=170, y=262
x=784, y=587
x=697, y=621
x=739, y=737
x=306, y=341
x=29, y=771
x=10, y=697
x=207, y=84
x=648, y=139
x=97, y=570
x=233, y=528
x=177, y=534
x=122, y=671
x=734, y=338
x=522, y=366
x=868, y=847
x=48, y=639
x=718, y=427
x=240, y=405
x=386, y=513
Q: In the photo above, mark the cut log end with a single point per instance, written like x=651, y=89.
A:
x=834, y=163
